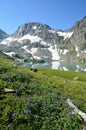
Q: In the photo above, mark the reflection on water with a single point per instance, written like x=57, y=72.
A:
x=60, y=65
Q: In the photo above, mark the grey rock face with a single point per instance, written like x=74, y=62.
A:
x=79, y=34
x=78, y=39
x=31, y=28
x=3, y=35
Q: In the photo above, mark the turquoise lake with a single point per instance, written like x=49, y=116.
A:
x=59, y=65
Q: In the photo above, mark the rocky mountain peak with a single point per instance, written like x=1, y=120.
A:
x=31, y=28
x=80, y=25
x=3, y=35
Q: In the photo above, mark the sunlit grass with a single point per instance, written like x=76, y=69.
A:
x=39, y=98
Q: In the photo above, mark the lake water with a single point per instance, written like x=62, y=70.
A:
x=60, y=65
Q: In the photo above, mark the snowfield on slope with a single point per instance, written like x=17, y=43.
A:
x=65, y=34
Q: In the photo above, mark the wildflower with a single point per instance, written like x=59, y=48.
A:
x=9, y=125
x=14, y=114
x=30, y=98
x=52, y=105
x=28, y=111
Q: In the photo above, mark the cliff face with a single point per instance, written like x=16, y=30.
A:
x=79, y=35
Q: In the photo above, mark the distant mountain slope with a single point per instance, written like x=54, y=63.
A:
x=3, y=35
x=39, y=41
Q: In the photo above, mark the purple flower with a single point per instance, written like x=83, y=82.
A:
x=28, y=111
x=52, y=105
x=9, y=125
x=69, y=117
x=30, y=98
x=14, y=114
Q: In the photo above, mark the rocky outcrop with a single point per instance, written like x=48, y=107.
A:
x=76, y=110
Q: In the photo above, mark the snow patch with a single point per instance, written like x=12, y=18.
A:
x=25, y=48
x=78, y=68
x=55, y=65
x=9, y=53
x=65, y=51
x=43, y=43
x=33, y=50
x=8, y=40
x=34, y=27
x=60, y=51
x=85, y=51
x=29, y=37
x=36, y=57
x=65, y=34
x=52, y=31
x=77, y=50
x=55, y=55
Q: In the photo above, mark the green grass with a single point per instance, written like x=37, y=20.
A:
x=72, y=52
x=4, y=56
x=39, y=98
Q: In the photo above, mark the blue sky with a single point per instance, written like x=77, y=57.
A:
x=58, y=14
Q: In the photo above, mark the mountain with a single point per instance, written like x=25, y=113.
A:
x=78, y=38
x=3, y=35
x=39, y=41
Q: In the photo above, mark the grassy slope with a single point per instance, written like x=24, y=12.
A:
x=62, y=81
x=40, y=83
